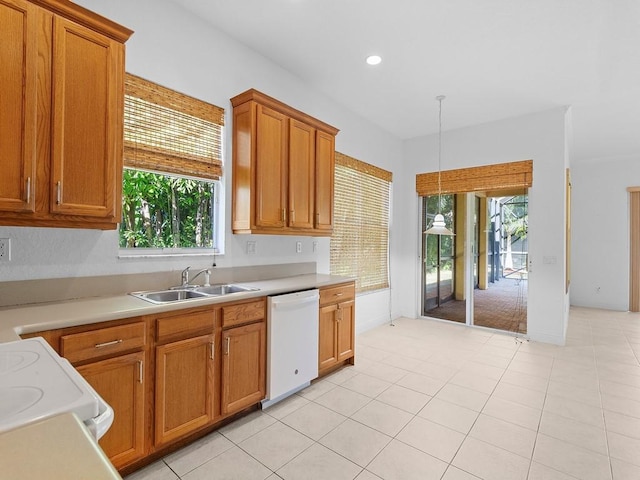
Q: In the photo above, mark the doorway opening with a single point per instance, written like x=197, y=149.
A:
x=500, y=295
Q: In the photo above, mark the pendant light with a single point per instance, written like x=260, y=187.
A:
x=438, y=226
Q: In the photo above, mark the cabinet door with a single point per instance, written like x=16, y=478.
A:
x=327, y=355
x=243, y=367
x=301, y=174
x=88, y=71
x=345, y=336
x=325, y=167
x=271, y=168
x=119, y=381
x=184, y=387
x=18, y=58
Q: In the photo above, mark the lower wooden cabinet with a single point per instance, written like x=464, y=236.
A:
x=336, y=343
x=184, y=390
x=169, y=376
x=120, y=382
x=243, y=366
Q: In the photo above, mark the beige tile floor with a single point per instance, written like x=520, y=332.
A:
x=436, y=400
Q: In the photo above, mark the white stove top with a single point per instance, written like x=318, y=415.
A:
x=35, y=383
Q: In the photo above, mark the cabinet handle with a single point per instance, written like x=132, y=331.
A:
x=227, y=345
x=108, y=344
x=28, y=190
x=338, y=294
x=212, y=353
x=292, y=215
x=140, y=371
x=59, y=192
x=317, y=219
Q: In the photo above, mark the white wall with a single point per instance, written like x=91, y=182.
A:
x=540, y=137
x=600, y=231
x=178, y=50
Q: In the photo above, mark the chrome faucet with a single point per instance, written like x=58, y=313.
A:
x=185, y=277
x=207, y=276
x=185, y=283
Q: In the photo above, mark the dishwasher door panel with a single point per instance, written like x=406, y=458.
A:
x=292, y=339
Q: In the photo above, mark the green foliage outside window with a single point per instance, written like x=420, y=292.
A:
x=162, y=211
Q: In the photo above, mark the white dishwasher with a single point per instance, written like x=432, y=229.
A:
x=292, y=343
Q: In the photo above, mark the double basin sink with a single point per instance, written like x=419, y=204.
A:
x=190, y=293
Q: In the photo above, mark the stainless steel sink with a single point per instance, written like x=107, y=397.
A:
x=191, y=293
x=224, y=289
x=168, y=296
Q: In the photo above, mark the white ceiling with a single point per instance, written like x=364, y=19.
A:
x=493, y=59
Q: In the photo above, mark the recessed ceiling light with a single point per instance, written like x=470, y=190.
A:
x=374, y=59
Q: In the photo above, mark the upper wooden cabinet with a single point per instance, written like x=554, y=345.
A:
x=61, y=116
x=283, y=163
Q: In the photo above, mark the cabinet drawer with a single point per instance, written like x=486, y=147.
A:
x=337, y=294
x=79, y=347
x=178, y=327
x=243, y=313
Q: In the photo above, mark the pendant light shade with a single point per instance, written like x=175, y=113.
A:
x=438, y=226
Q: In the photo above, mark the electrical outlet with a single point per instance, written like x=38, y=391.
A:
x=315, y=246
x=251, y=247
x=298, y=247
x=5, y=249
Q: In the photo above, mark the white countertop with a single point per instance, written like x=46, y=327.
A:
x=48, y=316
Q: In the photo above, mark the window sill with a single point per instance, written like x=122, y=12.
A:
x=166, y=253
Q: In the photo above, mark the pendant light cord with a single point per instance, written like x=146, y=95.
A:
x=440, y=98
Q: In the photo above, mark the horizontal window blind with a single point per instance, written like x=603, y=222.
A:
x=167, y=131
x=360, y=240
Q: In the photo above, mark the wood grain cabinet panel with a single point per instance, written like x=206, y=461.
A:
x=271, y=174
x=336, y=344
x=18, y=57
x=324, y=183
x=87, y=125
x=120, y=382
x=184, y=399
x=243, y=367
x=61, y=120
x=283, y=162
x=110, y=341
x=301, y=175
x=328, y=332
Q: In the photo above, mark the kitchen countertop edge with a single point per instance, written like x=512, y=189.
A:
x=18, y=320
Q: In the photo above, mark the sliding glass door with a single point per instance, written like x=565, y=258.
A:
x=439, y=261
x=479, y=276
